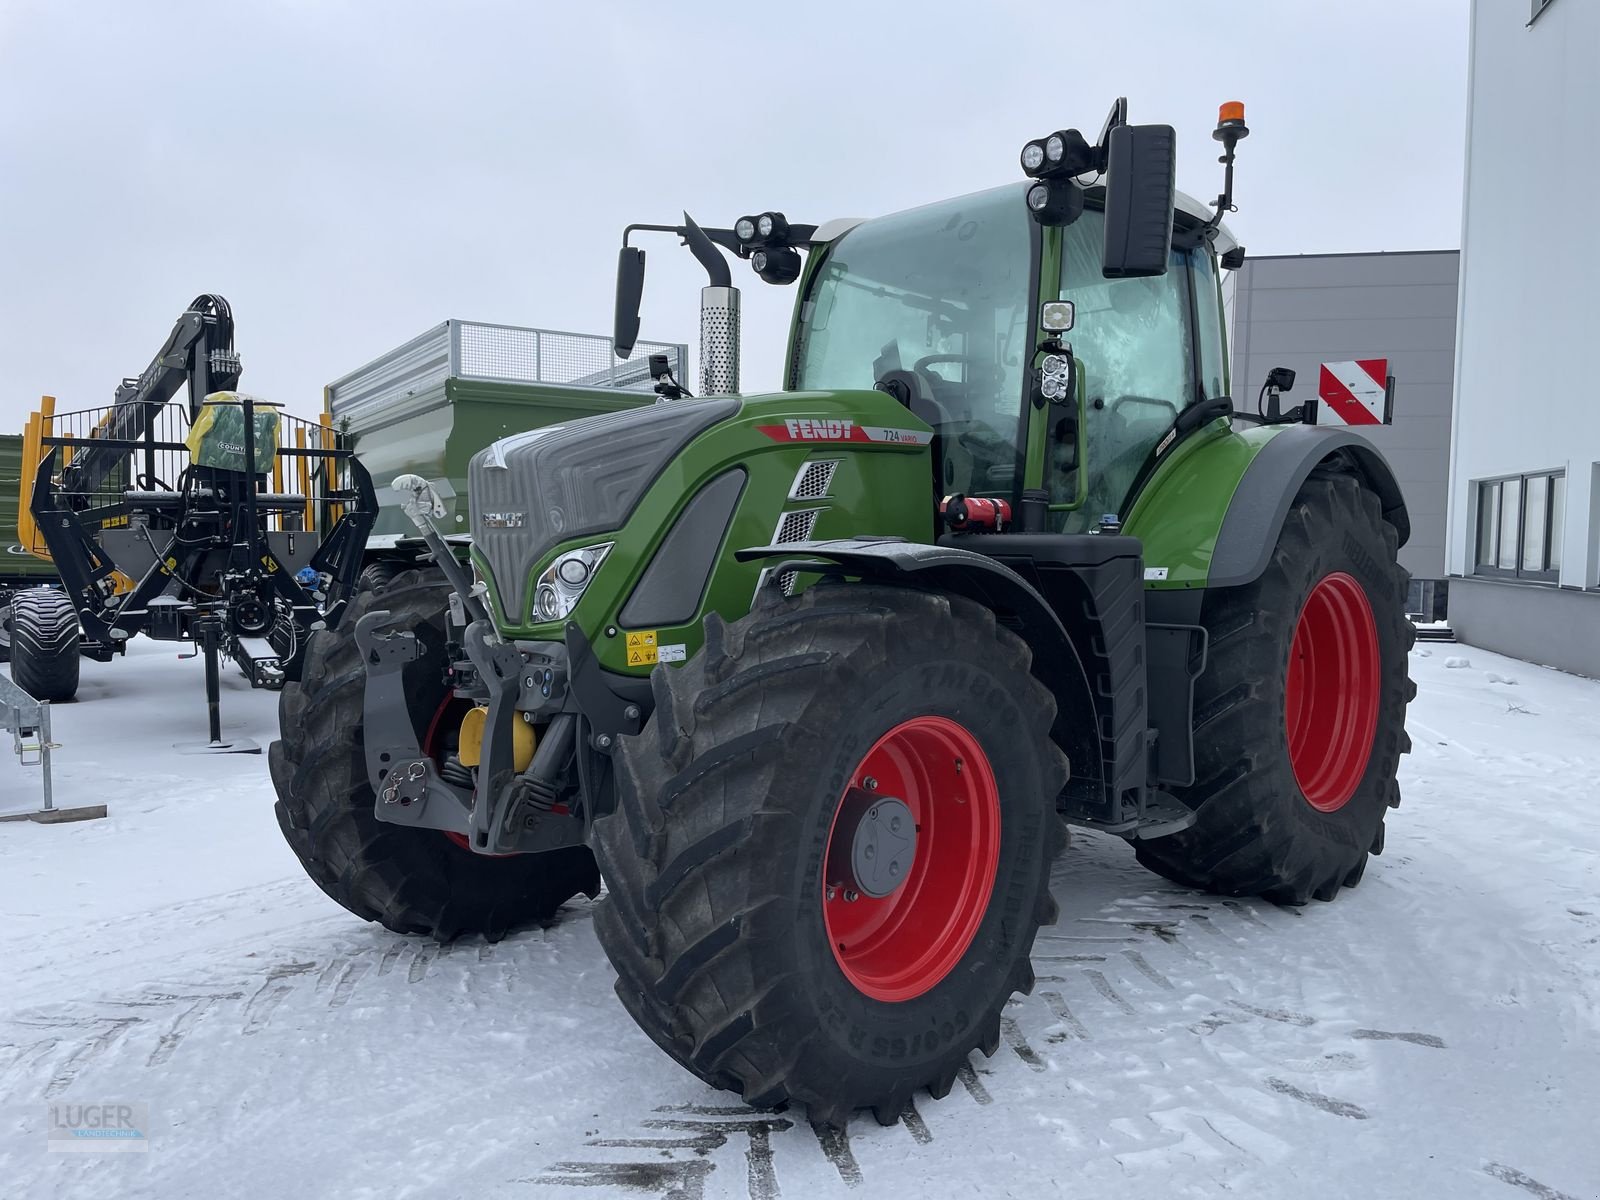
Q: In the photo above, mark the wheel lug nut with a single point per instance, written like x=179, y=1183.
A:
x=851, y=895
x=869, y=783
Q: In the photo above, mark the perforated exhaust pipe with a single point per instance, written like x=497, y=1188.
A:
x=719, y=340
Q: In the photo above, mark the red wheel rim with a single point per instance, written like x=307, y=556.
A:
x=1332, y=692
x=898, y=947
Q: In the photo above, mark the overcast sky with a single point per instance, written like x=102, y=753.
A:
x=348, y=173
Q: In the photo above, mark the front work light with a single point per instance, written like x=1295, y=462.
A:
x=778, y=265
x=745, y=229
x=1066, y=154
x=1032, y=159
x=1055, y=201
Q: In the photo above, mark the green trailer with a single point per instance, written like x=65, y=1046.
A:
x=427, y=406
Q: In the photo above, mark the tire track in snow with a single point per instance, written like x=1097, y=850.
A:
x=1527, y=1183
x=1338, y=1108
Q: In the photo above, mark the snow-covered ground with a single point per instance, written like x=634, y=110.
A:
x=1434, y=1033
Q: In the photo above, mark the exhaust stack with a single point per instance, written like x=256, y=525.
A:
x=719, y=340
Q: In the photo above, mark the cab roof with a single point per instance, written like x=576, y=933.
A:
x=1184, y=203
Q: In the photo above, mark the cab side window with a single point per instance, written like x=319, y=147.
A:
x=1132, y=341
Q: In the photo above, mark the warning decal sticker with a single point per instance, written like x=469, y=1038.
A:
x=642, y=650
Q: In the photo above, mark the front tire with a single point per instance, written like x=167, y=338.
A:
x=408, y=880
x=44, y=639
x=1300, y=714
x=725, y=841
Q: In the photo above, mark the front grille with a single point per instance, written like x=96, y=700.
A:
x=814, y=479
x=561, y=482
x=796, y=526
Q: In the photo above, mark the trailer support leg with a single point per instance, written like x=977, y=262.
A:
x=208, y=631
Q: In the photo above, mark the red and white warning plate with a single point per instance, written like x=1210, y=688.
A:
x=1353, y=393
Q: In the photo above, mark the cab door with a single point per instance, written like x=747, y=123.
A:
x=1135, y=344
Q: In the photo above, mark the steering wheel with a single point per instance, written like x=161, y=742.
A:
x=927, y=360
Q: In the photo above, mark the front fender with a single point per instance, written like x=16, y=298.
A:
x=1001, y=590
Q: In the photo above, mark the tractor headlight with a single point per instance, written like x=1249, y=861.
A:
x=563, y=582
x=1056, y=378
x=1032, y=157
x=1054, y=148
x=745, y=229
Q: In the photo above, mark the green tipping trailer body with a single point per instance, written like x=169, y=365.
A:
x=428, y=406
x=18, y=568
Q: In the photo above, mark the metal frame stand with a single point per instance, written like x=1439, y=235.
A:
x=208, y=631
x=28, y=720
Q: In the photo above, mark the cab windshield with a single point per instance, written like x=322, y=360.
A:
x=940, y=299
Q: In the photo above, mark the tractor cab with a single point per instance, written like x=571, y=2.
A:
x=939, y=306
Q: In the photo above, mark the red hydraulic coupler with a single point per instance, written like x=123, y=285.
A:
x=975, y=514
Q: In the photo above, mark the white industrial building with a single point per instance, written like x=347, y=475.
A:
x=1523, y=522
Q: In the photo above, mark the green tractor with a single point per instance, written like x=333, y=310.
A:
x=815, y=681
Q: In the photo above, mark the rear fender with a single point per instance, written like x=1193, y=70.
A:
x=1013, y=600
x=1261, y=502
x=1211, y=513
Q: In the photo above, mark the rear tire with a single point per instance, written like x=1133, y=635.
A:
x=44, y=644
x=1295, y=770
x=715, y=916
x=409, y=880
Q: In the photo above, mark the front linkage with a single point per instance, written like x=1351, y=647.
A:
x=528, y=799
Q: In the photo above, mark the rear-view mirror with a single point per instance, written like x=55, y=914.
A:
x=630, y=293
x=1141, y=171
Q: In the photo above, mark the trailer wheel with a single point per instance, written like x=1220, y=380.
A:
x=831, y=847
x=408, y=880
x=44, y=644
x=1300, y=714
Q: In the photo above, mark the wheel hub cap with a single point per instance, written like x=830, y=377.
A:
x=901, y=906
x=873, y=844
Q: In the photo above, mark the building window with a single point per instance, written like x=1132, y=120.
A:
x=1519, y=526
x=1538, y=7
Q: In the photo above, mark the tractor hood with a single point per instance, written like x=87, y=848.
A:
x=533, y=490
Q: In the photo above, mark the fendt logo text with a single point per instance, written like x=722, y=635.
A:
x=818, y=429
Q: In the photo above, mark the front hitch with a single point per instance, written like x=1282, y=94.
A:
x=408, y=787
